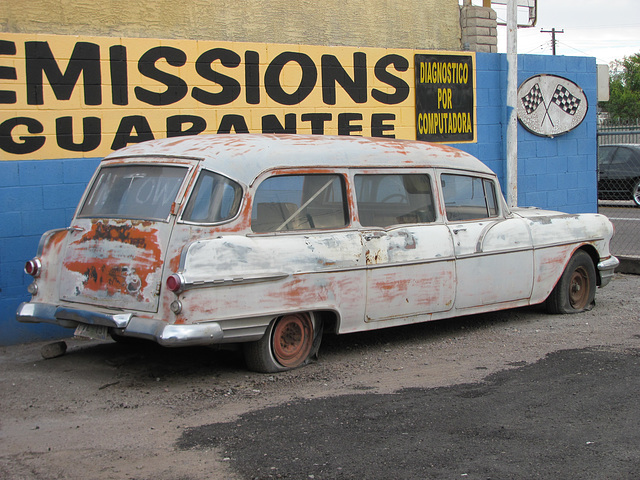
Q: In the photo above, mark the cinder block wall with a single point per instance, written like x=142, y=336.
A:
x=553, y=173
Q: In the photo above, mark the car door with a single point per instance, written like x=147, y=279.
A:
x=408, y=249
x=494, y=253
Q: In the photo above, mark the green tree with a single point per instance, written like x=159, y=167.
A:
x=624, y=89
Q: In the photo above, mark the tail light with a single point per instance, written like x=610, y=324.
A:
x=175, y=282
x=33, y=267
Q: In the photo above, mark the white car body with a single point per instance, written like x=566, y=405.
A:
x=331, y=259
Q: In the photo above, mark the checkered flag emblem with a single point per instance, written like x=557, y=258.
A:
x=532, y=99
x=567, y=102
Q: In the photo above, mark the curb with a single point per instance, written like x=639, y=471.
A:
x=628, y=265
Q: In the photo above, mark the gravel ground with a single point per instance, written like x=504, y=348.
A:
x=513, y=394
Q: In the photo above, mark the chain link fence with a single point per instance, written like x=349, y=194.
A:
x=619, y=182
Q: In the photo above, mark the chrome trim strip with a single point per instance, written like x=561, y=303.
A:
x=495, y=252
x=484, y=232
x=580, y=242
x=45, y=237
x=221, y=282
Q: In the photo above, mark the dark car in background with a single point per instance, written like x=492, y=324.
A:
x=619, y=172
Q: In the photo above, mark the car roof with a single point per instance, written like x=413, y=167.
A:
x=243, y=157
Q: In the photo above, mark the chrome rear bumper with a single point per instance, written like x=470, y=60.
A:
x=126, y=324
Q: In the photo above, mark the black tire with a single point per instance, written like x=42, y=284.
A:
x=635, y=193
x=576, y=289
x=289, y=342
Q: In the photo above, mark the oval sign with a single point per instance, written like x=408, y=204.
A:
x=549, y=105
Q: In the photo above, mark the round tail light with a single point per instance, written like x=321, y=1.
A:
x=33, y=267
x=175, y=282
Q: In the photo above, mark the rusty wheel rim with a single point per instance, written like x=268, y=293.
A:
x=292, y=339
x=579, y=289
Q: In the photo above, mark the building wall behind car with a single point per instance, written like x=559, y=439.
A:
x=425, y=24
x=37, y=195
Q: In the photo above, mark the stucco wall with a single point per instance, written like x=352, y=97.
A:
x=425, y=24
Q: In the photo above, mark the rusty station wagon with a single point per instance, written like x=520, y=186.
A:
x=267, y=240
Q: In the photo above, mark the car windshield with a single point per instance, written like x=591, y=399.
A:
x=141, y=192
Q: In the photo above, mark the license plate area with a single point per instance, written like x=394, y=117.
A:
x=95, y=332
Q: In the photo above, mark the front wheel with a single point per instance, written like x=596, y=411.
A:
x=635, y=193
x=576, y=288
x=289, y=342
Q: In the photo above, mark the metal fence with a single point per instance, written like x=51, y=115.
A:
x=619, y=182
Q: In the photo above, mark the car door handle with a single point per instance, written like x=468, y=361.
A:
x=456, y=230
x=371, y=235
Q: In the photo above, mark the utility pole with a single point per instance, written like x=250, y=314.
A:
x=512, y=104
x=553, y=32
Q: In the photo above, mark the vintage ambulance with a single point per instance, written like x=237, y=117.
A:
x=269, y=240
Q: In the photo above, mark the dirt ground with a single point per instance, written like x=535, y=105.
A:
x=371, y=401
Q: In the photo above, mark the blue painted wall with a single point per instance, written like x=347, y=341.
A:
x=558, y=173
x=553, y=173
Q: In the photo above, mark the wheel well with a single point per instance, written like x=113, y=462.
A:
x=329, y=320
x=595, y=258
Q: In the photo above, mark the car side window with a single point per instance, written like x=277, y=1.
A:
x=468, y=198
x=390, y=199
x=623, y=155
x=605, y=154
x=214, y=199
x=299, y=202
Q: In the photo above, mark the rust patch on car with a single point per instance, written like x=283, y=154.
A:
x=116, y=259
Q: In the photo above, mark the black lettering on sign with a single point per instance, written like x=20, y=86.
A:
x=307, y=83
x=119, y=75
x=91, y=128
x=401, y=93
x=333, y=71
x=84, y=60
x=230, y=86
x=378, y=127
x=124, y=135
x=7, y=73
x=344, y=123
x=235, y=122
x=271, y=124
x=317, y=121
x=252, y=77
x=176, y=123
x=28, y=144
x=176, y=87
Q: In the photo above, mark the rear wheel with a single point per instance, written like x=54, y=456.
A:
x=576, y=288
x=289, y=342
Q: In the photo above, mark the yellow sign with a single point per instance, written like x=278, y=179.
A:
x=68, y=96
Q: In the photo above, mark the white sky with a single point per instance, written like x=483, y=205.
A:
x=605, y=29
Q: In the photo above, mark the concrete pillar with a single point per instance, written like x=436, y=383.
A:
x=479, y=29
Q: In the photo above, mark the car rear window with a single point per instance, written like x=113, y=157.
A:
x=140, y=192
